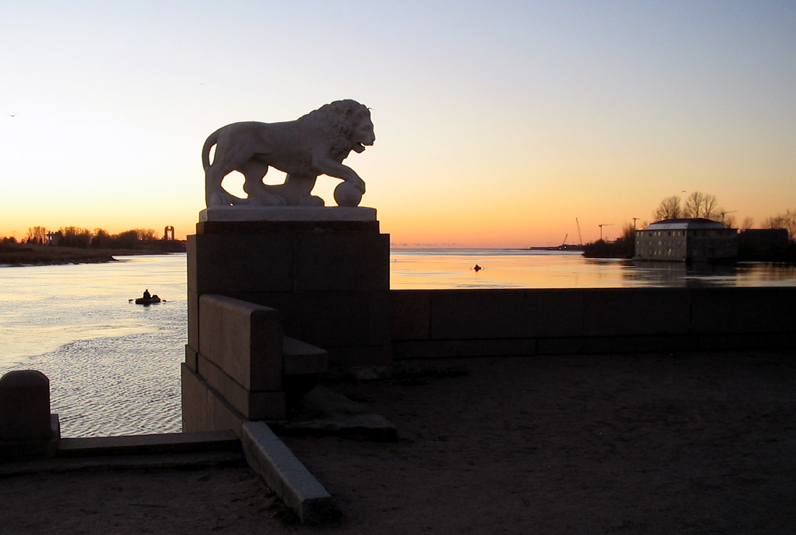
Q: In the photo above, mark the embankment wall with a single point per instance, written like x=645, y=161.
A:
x=461, y=323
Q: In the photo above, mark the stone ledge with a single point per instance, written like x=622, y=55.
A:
x=159, y=461
x=149, y=444
x=287, y=213
x=303, y=358
x=271, y=227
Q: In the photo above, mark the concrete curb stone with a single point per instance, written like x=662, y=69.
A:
x=286, y=476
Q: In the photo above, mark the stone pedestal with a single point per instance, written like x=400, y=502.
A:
x=326, y=270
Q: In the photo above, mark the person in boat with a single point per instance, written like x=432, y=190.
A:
x=477, y=268
x=147, y=294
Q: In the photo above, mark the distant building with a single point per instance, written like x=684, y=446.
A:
x=54, y=238
x=687, y=240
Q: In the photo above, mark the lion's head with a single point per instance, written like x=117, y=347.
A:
x=346, y=123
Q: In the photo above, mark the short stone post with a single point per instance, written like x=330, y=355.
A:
x=26, y=426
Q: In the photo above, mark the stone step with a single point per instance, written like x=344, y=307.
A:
x=149, y=444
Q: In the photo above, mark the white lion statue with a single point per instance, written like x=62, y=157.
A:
x=315, y=144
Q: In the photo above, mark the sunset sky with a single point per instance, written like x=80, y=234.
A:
x=497, y=123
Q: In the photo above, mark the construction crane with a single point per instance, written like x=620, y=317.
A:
x=579, y=236
x=601, y=225
x=565, y=239
x=724, y=214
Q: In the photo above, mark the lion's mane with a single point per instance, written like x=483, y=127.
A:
x=335, y=120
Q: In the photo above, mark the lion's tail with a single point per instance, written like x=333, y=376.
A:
x=211, y=140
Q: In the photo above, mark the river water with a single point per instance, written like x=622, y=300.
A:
x=114, y=366
x=523, y=268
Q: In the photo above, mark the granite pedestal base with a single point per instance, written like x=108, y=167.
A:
x=326, y=273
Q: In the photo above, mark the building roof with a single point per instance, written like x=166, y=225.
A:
x=685, y=224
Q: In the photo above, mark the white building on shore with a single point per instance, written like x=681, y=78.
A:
x=687, y=240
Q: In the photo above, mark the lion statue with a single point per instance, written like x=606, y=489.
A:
x=315, y=144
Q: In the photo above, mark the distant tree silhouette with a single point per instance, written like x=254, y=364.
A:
x=37, y=235
x=101, y=239
x=668, y=209
x=786, y=221
x=700, y=204
x=146, y=234
x=697, y=205
x=75, y=237
x=126, y=240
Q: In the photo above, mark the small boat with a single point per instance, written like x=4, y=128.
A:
x=147, y=301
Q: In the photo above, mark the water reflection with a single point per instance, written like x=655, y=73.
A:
x=702, y=275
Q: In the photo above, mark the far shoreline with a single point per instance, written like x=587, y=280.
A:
x=26, y=255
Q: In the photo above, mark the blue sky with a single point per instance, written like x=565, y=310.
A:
x=497, y=123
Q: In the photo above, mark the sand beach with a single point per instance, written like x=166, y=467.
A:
x=654, y=443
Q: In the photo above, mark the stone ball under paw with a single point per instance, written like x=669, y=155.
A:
x=347, y=195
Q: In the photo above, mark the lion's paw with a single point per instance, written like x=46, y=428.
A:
x=218, y=199
x=312, y=200
x=267, y=199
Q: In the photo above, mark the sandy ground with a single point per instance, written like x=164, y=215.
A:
x=697, y=444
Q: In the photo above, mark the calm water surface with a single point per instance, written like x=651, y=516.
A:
x=522, y=268
x=114, y=366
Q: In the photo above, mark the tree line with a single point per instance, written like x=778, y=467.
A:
x=96, y=239
x=696, y=205
x=705, y=205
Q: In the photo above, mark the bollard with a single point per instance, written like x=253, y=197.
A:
x=26, y=426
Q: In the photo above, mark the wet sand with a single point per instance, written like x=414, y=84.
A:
x=687, y=443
